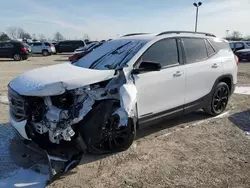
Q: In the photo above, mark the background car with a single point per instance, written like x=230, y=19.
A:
x=44, y=48
x=88, y=47
x=83, y=51
x=13, y=49
x=28, y=47
x=68, y=45
x=241, y=49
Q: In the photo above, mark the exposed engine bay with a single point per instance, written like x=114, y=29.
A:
x=57, y=116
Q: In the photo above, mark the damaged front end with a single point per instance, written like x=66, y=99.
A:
x=97, y=118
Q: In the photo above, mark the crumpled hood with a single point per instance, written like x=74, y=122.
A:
x=56, y=79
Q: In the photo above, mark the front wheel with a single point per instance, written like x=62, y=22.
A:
x=103, y=132
x=219, y=99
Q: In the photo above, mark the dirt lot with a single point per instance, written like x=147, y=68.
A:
x=191, y=151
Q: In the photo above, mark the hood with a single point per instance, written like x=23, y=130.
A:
x=56, y=79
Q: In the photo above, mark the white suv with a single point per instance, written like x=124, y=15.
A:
x=99, y=101
x=44, y=48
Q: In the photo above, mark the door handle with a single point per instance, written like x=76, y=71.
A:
x=215, y=65
x=178, y=73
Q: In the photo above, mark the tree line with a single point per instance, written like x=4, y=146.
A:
x=19, y=33
x=236, y=36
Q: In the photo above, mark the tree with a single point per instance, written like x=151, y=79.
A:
x=18, y=33
x=12, y=31
x=58, y=36
x=4, y=37
x=41, y=37
x=86, y=37
x=236, y=35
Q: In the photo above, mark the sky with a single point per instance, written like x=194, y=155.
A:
x=104, y=19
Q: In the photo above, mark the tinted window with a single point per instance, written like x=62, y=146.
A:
x=164, y=52
x=195, y=49
x=248, y=43
x=231, y=45
x=7, y=45
x=210, y=49
x=47, y=44
x=37, y=44
x=239, y=45
x=219, y=44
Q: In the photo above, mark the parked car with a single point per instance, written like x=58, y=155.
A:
x=28, y=48
x=241, y=49
x=44, y=48
x=97, y=103
x=88, y=47
x=13, y=49
x=69, y=45
x=83, y=51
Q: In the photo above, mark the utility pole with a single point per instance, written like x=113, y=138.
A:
x=197, y=5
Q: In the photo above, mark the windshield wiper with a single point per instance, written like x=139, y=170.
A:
x=98, y=61
x=111, y=66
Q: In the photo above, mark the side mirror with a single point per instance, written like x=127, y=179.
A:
x=147, y=66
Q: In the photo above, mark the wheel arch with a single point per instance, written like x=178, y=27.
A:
x=228, y=79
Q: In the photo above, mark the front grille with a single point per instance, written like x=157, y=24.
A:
x=17, y=105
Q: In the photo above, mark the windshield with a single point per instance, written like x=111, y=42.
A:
x=113, y=54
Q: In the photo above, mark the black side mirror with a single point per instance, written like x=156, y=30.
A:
x=147, y=66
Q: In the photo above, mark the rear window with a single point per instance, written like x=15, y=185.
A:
x=219, y=44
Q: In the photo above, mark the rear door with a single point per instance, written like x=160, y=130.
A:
x=37, y=47
x=203, y=67
x=6, y=49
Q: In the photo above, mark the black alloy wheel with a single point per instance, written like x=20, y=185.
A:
x=220, y=98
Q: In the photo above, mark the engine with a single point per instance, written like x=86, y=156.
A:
x=55, y=115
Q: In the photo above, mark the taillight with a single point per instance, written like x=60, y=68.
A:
x=51, y=45
x=24, y=49
x=236, y=59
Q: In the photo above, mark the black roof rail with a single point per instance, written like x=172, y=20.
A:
x=132, y=34
x=179, y=32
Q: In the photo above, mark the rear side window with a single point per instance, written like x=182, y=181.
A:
x=7, y=45
x=164, y=52
x=219, y=44
x=37, y=44
x=47, y=44
x=239, y=46
x=248, y=43
x=195, y=49
x=210, y=49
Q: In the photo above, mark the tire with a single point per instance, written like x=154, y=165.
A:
x=17, y=57
x=219, y=100
x=101, y=132
x=45, y=53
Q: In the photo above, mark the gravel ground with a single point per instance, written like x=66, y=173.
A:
x=191, y=151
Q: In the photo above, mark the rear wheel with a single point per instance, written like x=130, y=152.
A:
x=17, y=57
x=45, y=53
x=219, y=99
x=107, y=135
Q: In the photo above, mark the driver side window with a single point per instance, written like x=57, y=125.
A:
x=164, y=52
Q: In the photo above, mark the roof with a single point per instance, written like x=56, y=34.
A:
x=148, y=36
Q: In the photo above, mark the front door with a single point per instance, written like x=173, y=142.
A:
x=161, y=91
